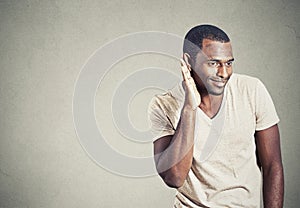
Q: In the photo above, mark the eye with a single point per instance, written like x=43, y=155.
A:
x=229, y=63
x=212, y=63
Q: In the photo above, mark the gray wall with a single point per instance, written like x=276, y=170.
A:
x=44, y=44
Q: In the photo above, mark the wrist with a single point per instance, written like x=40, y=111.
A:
x=188, y=109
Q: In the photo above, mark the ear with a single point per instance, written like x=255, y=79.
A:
x=188, y=60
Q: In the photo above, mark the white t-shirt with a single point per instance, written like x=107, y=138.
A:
x=224, y=171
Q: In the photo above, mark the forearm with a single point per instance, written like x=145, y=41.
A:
x=175, y=162
x=273, y=187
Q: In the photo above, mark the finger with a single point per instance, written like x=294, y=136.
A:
x=185, y=78
x=187, y=70
x=184, y=70
x=183, y=64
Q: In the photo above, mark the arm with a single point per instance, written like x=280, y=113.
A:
x=174, y=163
x=174, y=154
x=268, y=146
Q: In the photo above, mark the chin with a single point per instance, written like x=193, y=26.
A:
x=216, y=92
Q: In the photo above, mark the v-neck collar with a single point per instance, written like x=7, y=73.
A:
x=180, y=96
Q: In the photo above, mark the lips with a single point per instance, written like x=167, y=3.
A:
x=218, y=82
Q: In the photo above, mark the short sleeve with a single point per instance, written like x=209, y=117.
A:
x=266, y=115
x=160, y=125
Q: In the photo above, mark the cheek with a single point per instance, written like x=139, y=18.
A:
x=229, y=71
x=204, y=74
x=203, y=71
x=208, y=71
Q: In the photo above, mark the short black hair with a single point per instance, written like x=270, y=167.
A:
x=194, y=38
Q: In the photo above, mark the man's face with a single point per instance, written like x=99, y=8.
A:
x=213, y=65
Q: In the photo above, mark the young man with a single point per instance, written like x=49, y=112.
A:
x=209, y=127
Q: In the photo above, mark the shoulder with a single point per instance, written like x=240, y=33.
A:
x=169, y=100
x=167, y=106
x=243, y=83
x=244, y=80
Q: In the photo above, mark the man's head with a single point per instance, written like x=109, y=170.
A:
x=208, y=53
x=193, y=40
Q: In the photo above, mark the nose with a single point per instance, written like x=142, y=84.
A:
x=222, y=71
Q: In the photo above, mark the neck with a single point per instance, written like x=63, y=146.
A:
x=210, y=104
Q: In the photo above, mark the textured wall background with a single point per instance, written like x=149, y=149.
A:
x=43, y=46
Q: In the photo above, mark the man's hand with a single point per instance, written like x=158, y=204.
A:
x=192, y=96
x=174, y=153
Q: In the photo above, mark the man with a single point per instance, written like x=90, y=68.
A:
x=209, y=127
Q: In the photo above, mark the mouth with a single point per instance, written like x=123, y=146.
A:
x=218, y=82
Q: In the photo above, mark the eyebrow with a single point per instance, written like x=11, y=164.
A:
x=218, y=60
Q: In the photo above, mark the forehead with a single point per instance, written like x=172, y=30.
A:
x=216, y=50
